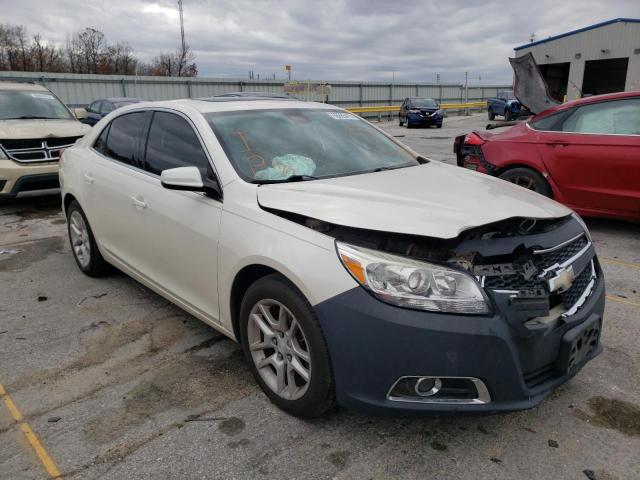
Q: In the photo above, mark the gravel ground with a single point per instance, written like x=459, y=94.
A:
x=111, y=377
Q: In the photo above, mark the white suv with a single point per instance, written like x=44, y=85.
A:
x=352, y=270
x=35, y=126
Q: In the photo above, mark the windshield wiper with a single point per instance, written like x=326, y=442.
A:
x=392, y=167
x=33, y=117
x=292, y=178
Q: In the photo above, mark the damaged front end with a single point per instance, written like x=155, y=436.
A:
x=535, y=274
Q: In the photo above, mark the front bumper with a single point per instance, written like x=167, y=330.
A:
x=419, y=119
x=16, y=178
x=373, y=344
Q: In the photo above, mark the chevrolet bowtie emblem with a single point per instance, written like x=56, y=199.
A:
x=562, y=280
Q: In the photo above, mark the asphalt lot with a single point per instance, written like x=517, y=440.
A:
x=119, y=384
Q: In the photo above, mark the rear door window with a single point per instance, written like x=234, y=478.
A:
x=173, y=143
x=94, y=107
x=101, y=143
x=106, y=107
x=551, y=123
x=123, y=138
x=618, y=117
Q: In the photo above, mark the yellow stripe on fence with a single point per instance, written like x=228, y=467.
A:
x=393, y=108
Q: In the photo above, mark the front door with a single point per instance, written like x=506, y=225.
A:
x=180, y=228
x=595, y=156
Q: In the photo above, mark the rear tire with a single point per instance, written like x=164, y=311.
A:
x=529, y=179
x=83, y=243
x=290, y=363
x=507, y=115
x=491, y=115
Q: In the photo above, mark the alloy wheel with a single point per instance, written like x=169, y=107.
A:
x=80, y=238
x=526, y=182
x=279, y=349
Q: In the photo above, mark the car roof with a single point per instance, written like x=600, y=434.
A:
x=255, y=95
x=229, y=104
x=119, y=99
x=22, y=86
x=592, y=99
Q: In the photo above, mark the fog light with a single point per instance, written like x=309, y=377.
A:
x=427, y=386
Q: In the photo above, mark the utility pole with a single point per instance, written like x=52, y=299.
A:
x=466, y=91
x=184, y=46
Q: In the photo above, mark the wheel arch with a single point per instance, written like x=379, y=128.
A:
x=520, y=164
x=244, y=278
x=68, y=198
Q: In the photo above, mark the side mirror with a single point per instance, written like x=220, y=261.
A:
x=80, y=113
x=189, y=179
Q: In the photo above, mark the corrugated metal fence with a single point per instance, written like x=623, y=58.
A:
x=80, y=90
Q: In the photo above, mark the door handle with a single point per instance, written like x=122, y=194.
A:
x=558, y=144
x=138, y=202
x=88, y=178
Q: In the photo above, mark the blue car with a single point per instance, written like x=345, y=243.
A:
x=102, y=107
x=504, y=105
x=420, y=111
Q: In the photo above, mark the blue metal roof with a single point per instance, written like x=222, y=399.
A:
x=573, y=32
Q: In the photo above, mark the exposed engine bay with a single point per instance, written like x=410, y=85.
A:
x=539, y=270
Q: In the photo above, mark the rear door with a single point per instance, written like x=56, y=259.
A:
x=110, y=178
x=594, y=156
x=93, y=113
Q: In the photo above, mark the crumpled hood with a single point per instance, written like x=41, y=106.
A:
x=18, y=129
x=433, y=200
x=529, y=85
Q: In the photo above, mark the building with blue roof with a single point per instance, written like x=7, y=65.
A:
x=597, y=59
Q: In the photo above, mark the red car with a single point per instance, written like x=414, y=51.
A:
x=585, y=154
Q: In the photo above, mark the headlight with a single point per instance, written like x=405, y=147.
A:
x=411, y=283
x=439, y=112
x=414, y=110
x=3, y=156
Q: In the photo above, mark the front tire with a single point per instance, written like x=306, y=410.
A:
x=83, y=243
x=491, y=115
x=529, y=179
x=285, y=348
x=507, y=115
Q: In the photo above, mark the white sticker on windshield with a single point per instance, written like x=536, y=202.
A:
x=341, y=116
x=48, y=96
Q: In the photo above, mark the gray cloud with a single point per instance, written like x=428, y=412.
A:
x=412, y=40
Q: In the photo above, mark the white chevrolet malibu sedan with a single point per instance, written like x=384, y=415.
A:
x=353, y=271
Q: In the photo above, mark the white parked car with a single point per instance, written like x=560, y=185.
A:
x=352, y=270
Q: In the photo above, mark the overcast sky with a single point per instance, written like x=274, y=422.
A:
x=409, y=40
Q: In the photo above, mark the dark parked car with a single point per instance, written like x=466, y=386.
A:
x=505, y=105
x=102, y=107
x=420, y=111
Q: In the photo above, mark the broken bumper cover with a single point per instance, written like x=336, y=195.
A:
x=373, y=345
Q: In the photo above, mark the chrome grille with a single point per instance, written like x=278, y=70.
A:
x=548, y=261
x=31, y=150
x=542, y=259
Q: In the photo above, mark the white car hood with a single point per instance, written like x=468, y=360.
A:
x=18, y=129
x=433, y=200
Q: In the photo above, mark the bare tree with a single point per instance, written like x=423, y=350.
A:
x=86, y=51
x=178, y=64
